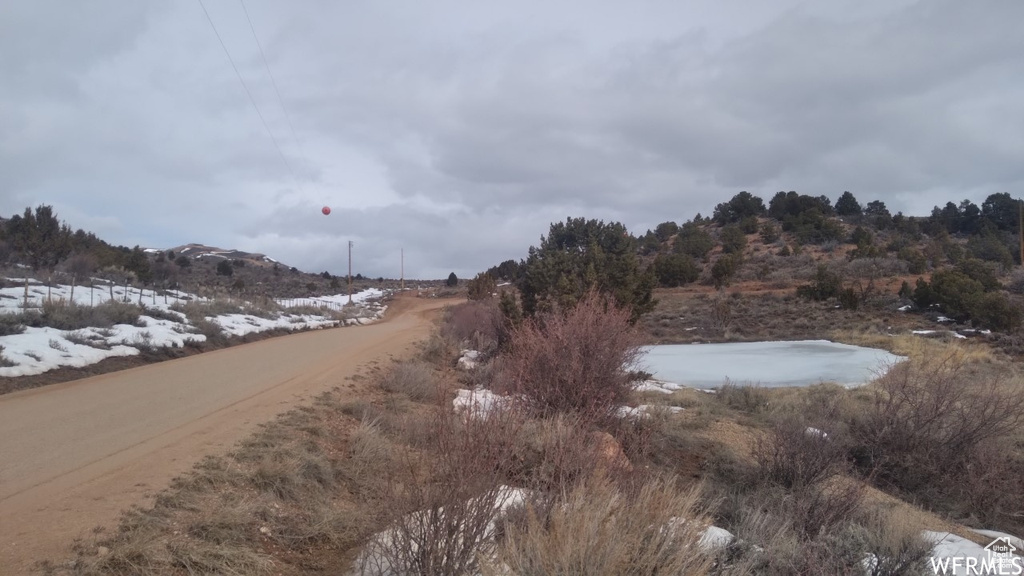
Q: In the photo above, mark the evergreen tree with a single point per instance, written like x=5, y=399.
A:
x=579, y=255
x=675, y=270
x=39, y=238
x=733, y=240
x=847, y=205
x=693, y=241
x=452, y=281
x=224, y=268
x=482, y=287
x=740, y=206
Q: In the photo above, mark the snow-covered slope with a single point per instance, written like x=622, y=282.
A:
x=35, y=350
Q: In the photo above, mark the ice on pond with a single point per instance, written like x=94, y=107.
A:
x=769, y=364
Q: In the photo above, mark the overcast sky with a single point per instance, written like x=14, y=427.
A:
x=461, y=130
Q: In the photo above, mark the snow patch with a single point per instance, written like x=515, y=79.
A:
x=469, y=360
x=654, y=385
x=478, y=402
x=645, y=411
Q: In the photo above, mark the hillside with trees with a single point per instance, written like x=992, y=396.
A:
x=848, y=261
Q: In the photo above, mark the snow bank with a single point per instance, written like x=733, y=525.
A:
x=242, y=324
x=38, y=350
x=334, y=300
x=956, y=555
x=654, y=385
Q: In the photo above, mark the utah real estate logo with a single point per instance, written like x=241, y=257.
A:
x=1000, y=560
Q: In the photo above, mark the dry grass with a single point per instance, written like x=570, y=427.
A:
x=603, y=528
x=280, y=502
x=752, y=313
x=413, y=378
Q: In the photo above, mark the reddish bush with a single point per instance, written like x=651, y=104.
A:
x=578, y=361
x=477, y=324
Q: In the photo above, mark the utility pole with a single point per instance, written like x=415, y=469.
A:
x=403, y=265
x=350, y=272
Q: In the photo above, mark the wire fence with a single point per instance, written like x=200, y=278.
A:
x=35, y=294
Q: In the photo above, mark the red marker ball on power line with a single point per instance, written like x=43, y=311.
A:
x=326, y=210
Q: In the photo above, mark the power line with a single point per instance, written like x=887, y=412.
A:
x=249, y=93
x=263, y=56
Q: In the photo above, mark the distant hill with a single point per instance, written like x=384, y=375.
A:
x=202, y=251
x=38, y=240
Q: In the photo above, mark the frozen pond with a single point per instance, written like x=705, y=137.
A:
x=769, y=364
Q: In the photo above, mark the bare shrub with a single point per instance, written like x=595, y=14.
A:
x=794, y=455
x=444, y=521
x=988, y=490
x=600, y=528
x=821, y=507
x=413, y=378
x=64, y=316
x=477, y=324
x=84, y=338
x=213, y=332
x=576, y=361
x=161, y=314
x=929, y=416
x=11, y=324
x=811, y=531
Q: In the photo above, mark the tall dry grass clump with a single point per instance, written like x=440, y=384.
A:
x=413, y=378
x=601, y=527
x=577, y=361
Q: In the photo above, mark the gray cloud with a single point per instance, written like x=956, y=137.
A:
x=460, y=131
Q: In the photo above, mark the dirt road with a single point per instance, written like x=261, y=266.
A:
x=73, y=455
